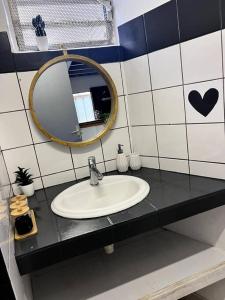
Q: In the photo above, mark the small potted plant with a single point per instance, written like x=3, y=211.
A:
x=41, y=38
x=24, y=181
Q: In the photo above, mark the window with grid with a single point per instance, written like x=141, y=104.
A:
x=72, y=23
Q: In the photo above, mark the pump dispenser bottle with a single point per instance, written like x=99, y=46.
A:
x=121, y=160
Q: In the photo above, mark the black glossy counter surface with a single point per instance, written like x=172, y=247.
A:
x=173, y=196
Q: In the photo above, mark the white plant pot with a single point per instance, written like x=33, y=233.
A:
x=42, y=43
x=27, y=190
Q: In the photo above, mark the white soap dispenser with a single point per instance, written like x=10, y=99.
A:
x=121, y=160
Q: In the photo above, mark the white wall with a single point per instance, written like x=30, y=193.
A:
x=126, y=10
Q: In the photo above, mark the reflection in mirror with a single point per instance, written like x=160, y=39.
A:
x=72, y=101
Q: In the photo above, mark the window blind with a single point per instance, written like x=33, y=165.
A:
x=72, y=23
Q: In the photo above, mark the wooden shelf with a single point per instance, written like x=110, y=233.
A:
x=153, y=266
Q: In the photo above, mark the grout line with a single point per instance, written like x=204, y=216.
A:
x=182, y=74
x=103, y=156
x=110, y=221
x=119, y=127
x=73, y=163
x=50, y=174
x=126, y=108
x=185, y=159
x=152, y=98
x=32, y=138
x=222, y=51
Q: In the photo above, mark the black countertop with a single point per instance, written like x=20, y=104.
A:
x=173, y=196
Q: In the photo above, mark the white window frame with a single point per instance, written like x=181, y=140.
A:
x=14, y=43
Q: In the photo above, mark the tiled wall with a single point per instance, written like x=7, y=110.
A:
x=169, y=52
x=23, y=145
x=50, y=163
x=165, y=57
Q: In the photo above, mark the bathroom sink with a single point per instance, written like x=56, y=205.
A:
x=113, y=194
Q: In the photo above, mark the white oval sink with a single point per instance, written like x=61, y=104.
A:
x=113, y=194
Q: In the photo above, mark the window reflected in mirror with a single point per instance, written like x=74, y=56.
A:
x=72, y=101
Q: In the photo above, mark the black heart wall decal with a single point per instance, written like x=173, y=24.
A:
x=204, y=106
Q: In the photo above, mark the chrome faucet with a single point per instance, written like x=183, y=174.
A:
x=95, y=174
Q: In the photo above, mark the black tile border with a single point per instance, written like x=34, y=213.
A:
x=161, y=26
x=129, y=48
x=205, y=18
x=32, y=61
x=165, y=10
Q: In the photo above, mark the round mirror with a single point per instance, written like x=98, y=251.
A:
x=73, y=100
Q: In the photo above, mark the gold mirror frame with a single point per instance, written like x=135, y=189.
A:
x=112, y=90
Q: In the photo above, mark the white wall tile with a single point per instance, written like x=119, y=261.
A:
x=25, y=79
x=206, y=142
x=121, y=119
x=165, y=66
x=58, y=178
x=10, y=93
x=169, y=105
x=110, y=165
x=223, y=44
x=202, y=58
x=172, y=141
x=23, y=157
x=150, y=162
x=80, y=155
x=114, y=71
x=136, y=72
x=15, y=130
x=144, y=140
x=216, y=114
x=207, y=169
x=53, y=158
x=175, y=165
x=4, y=179
x=38, y=137
x=140, y=109
x=84, y=172
x=112, y=139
